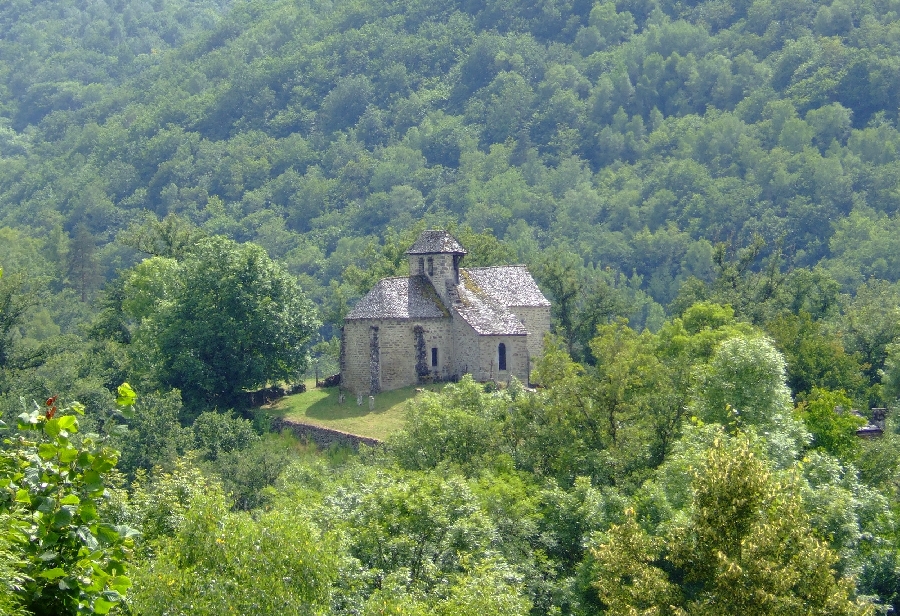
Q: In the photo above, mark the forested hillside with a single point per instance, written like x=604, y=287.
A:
x=193, y=193
x=635, y=135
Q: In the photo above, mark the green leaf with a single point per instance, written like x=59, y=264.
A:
x=68, y=454
x=103, y=464
x=102, y=606
x=107, y=533
x=87, y=537
x=51, y=428
x=127, y=531
x=22, y=496
x=68, y=422
x=46, y=504
x=126, y=396
x=28, y=420
x=62, y=517
x=52, y=574
x=71, y=499
x=88, y=511
x=92, y=481
x=120, y=583
x=47, y=451
x=32, y=475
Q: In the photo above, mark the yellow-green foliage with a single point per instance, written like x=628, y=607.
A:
x=745, y=547
x=224, y=562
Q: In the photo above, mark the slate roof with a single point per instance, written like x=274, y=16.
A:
x=482, y=298
x=435, y=241
x=484, y=313
x=510, y=285
x=407, y=297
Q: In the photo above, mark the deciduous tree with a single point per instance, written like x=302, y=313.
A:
x=746, y=547
x=232, y=320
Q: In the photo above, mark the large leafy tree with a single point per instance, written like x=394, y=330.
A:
x=229, y=320
x=745, y=547
x=743, y=386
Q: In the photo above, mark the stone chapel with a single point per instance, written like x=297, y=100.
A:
x=443, y=321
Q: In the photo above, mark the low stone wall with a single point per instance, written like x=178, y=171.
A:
x=323, y=437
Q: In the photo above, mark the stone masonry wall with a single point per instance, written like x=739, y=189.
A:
x=441, y=272
x=438, y=333
x=323, y=437
x=467, y=358
x=374, y=359
x=396, y=352
x=537, y=322
x=356, y=375
x=478, y=355
x=414, y=269
x=516, y=358
x=398, y=347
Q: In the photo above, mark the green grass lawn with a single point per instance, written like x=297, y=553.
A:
x=320, y=407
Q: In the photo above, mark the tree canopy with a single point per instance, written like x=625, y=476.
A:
x=223, y=320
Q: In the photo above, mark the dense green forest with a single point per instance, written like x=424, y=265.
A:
x=193, y=193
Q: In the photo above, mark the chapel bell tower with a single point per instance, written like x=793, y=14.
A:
x=437, y=255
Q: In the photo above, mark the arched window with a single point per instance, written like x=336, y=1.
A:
x=501, y=356
x=431, y=266
x=421, y=265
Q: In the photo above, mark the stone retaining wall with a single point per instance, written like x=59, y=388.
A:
x=323, y=437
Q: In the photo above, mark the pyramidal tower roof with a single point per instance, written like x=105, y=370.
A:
x=433, y=241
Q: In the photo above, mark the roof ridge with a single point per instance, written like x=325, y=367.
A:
x=495, y=266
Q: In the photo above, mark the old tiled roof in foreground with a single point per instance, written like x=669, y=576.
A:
x=510, y=285
x=484, y=313
x=435, y=241
x=411, y=297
